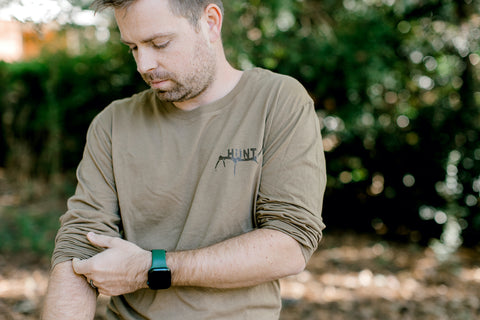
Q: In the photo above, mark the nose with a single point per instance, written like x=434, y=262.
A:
x=145, y=59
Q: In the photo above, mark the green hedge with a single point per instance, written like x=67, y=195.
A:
x=47, y=105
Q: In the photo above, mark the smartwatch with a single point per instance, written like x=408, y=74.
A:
x=159, y=275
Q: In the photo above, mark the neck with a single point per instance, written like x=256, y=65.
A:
x=225, y=79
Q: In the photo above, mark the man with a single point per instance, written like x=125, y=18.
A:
x=196, y=196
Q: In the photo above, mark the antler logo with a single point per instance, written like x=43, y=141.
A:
x=238, y=155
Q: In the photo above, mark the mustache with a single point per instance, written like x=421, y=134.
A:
x=157, y=75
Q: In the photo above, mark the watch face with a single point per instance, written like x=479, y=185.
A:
x=159, y=278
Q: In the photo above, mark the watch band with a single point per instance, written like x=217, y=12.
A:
x=159, y=259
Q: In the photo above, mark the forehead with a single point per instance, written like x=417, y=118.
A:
x=144, y=18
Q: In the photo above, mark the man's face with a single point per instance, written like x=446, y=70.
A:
x=172, y=57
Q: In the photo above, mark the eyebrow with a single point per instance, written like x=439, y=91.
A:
x=151, y=38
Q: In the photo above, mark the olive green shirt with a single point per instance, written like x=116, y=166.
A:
x=164, y=178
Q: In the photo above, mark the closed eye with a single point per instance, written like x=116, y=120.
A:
x=161, y=45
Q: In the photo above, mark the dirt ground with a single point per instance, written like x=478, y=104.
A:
x=350, y=277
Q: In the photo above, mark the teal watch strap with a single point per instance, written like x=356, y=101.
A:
x=158, y=259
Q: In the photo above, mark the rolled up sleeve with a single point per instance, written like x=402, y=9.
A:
x=293, y=180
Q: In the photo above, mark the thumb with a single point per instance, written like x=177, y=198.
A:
x=100, y=240
x=78, y=266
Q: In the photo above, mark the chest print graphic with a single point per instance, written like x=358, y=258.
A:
x=238, y=155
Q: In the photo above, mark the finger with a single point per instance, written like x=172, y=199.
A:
x=79, y=266
x=100, y=240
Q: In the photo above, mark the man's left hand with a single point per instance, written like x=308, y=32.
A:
x=122, y=268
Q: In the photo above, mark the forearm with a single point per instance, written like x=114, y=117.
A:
x=250, y=259
x=68, y=296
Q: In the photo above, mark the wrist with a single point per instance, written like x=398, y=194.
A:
x=179, y=263
x=171, y=263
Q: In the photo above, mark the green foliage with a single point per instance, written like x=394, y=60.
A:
x=26, y=230
x=47, y=105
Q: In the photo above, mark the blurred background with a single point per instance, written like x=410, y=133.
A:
x=396, y=87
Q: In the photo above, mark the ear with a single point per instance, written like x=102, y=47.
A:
x=213, y=22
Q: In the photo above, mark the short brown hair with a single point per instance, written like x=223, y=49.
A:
x=189, y=9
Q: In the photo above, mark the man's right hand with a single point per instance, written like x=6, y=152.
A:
x=121, y=268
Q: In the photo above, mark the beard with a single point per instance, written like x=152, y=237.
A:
x=190, y=84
